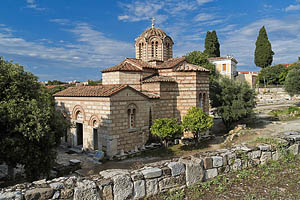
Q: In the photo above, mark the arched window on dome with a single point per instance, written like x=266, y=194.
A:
x=152, y=49
x=140, y=50
x=156, y=49
x=168, y=50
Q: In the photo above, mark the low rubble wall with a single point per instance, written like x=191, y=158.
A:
x=274, y=96
x=156, y=177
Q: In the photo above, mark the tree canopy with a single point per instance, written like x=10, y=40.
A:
x=263, y=55
x=201, y=59
x=196, y=121
x=166, y=128
x=234, y=100
x=292, y=82
x=273, y=75
x=30, y=125
x=212, y=45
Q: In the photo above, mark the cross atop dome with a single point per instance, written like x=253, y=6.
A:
x=153, y=22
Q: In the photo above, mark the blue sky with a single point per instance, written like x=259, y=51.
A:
x=74, y=39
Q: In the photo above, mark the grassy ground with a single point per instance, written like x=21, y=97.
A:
x=274, y=180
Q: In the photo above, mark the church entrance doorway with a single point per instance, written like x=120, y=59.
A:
x=95, y=135
x=79, y=132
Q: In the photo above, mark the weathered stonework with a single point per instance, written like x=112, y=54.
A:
x=152, y=178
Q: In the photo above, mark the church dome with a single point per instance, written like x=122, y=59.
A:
x=153, y=32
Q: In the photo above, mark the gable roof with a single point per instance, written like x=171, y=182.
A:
x=170, y=63
x=223, y=58
x=188, y=67
x=90, y=91
x=158, y=78
x=129, y=64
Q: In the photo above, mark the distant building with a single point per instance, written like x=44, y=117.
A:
x=116, y=116
x=226, y=66
x=249, y=77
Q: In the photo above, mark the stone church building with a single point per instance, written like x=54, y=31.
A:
x=116, y=115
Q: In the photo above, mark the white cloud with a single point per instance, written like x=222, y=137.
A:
x=203, y=17
x=293, y=7
x=201, y=2
x=32, y=4
x=91, y=48
x=284, y=34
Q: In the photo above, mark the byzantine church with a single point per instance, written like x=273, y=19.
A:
x=116, y=116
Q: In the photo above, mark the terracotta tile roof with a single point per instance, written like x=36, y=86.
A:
x=158, y=79
x=151, y=95
x=91, y=91
x=172, y=62
x=187, y=67
x=129, y=64
x=223, y=58
x=243, y=72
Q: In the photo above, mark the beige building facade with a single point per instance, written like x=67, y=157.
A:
x=116, y=116
x=225, y=66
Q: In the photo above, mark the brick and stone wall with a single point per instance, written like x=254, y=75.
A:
x=156, y=177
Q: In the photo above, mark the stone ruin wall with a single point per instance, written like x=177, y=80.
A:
x=274, y=96
x=153, y=178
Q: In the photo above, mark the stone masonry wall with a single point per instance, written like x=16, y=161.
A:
x=154, y=178
x=274, y=96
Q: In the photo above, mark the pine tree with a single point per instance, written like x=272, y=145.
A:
x=263, y=56
x=212, y=45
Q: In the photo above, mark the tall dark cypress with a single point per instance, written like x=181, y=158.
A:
x=263, y=55
x=212, y=45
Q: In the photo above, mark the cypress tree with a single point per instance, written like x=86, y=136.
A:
x=212, y=45
x=263, y=56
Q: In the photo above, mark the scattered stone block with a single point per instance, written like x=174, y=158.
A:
x=208, y=163
x=294, y=149
x=194, y=171
x=86, y=190
x=217, y=161
x=107, y=193
x=11, y=196
x=99, y=155
x=113, y=172
x=39, y=193
x=123, y=187
x=237, y=165
x=139, y=189
x=176, y=168
x=152, y=173
x=265, y=156
x=210, y=173
x=151, y=187
x=75, y=162
x=265, y=147
x=57, y=186
x=171, y=182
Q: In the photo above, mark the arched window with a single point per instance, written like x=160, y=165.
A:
x=200, y=100
x=204, y=101
x=152, y=49
x=131, y=111
x=156, y=49
x=167, y=50
x=79, y=115
x=140, y=50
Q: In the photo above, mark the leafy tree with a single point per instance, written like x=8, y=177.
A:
x=57, y=89
x=292, y=82
x=273, y=75
x=201, y=59
x=197, y=121
x=55, y=82
x=263, y=55
x=166, y=129
x=212, y=45
x=295, y=65
x=93, y=83
x=30, y=125
x=234, y=100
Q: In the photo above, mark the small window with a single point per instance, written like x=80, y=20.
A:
x=131, y=116
x=201, y=100
x=152, y=49
x=140, y=50
x=156, y=49
x=224, y=67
